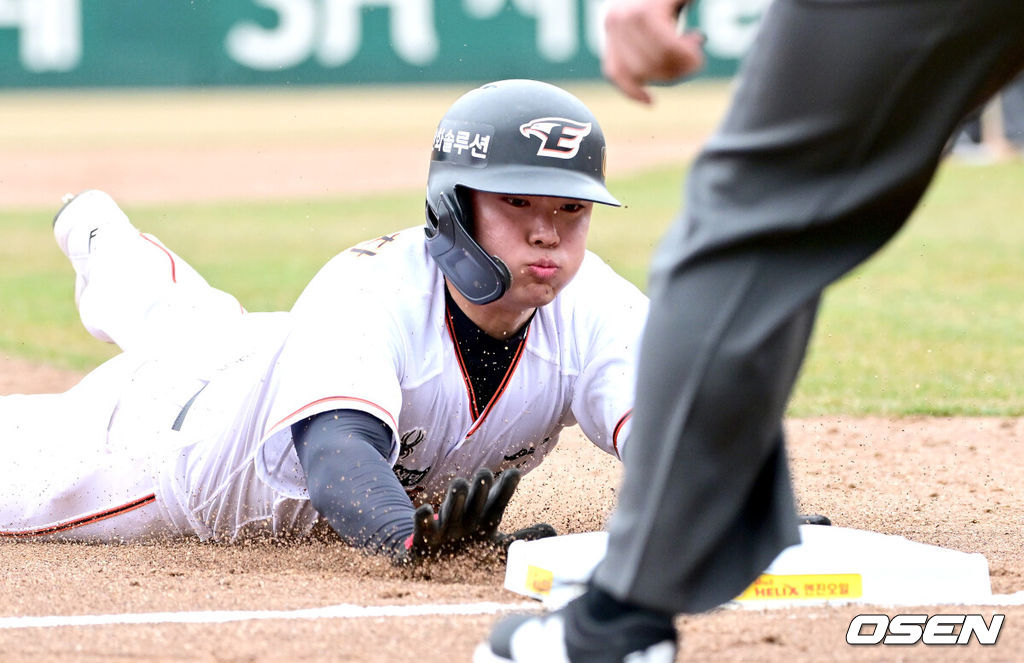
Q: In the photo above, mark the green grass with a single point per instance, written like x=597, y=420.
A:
x=932, y=325
x=263, y=253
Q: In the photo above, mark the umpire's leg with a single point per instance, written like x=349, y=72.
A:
x=837, y=126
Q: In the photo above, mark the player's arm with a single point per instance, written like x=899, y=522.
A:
x=608, y=326
x=344, y=455
x=351, y=484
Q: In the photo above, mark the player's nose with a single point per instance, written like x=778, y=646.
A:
x=544, y=228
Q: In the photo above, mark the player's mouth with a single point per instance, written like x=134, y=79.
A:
x=543, y=269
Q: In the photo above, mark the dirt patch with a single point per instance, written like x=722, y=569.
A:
x=954, y=482
x=180, y=145
x=18, y=376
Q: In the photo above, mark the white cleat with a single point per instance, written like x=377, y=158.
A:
x=81, y=226
x=79, y=223
x=630, y=638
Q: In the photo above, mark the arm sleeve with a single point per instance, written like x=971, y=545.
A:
x=344, y=456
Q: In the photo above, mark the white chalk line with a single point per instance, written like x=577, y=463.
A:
x=352, y=611
x=341, y=611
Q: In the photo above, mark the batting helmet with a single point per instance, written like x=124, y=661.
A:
x=518, y=137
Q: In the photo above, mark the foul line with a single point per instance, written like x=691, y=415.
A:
x=352, y=611
x=342, y=611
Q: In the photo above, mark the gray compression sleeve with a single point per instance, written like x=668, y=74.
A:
x=344, y=455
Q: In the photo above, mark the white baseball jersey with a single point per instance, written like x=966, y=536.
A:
x=210, y=432
x=369, y=333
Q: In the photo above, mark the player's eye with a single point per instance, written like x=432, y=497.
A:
x=572, y=207
x=516, y=202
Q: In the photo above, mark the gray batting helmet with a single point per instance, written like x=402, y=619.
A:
x=518, y=137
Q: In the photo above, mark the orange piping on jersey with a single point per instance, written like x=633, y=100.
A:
x=384, y=239
x=394, y=423
x=449, y=324
x=170, y=256
x=618, y=429
x=504, y=383
x=83, y=520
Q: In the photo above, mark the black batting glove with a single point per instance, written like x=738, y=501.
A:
x=471, y=513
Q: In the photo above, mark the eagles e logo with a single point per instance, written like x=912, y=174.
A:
x=559, y=137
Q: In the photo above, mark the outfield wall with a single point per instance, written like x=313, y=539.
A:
x=83, y=43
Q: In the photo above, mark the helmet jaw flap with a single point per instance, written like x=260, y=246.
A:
x=480, y=277
x=518, y=137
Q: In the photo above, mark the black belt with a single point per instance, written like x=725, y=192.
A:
x=180, y=419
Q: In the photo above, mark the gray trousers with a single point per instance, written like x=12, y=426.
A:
x=1012, y=99
x=837, y=125
x=1011, y=102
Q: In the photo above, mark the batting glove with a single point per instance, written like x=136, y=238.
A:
x=470, y=513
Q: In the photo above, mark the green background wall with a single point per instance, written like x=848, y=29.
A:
x=309, y=42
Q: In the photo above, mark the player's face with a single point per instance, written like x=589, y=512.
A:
x=542, y=239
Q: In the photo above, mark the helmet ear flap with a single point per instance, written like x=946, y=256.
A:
x=481, y=278
x=440, y=234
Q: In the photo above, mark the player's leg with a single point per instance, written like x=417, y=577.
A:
x=61, y=479
x=824, y=153
x=130, y=289
x=1012, y=98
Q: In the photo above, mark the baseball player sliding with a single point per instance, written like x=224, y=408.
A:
x=417, y=371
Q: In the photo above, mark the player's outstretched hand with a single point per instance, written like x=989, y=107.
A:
x=471, y=513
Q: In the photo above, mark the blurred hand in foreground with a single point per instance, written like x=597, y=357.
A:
x=643, y=44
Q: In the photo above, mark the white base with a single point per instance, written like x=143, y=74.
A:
x=831, y=564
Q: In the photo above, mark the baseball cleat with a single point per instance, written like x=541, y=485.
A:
x=77, y=224
x=569, y=635
x=80, y=226
x=814, y=519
